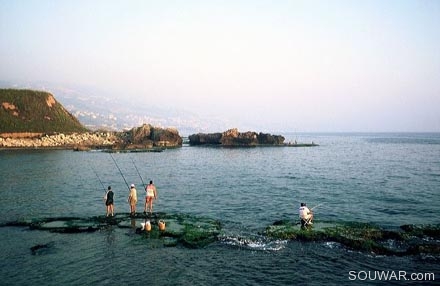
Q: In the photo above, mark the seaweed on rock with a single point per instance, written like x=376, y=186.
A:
x=185, y=230
x=408, y=240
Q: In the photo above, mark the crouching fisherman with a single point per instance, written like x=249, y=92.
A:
x=305, y=215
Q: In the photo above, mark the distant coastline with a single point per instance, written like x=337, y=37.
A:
x=31, y=119
x=137, y=139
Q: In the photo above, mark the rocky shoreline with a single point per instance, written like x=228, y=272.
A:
x=61, y=140
x=143, y=137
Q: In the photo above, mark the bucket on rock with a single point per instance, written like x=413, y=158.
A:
x=161, y=224
x=147, y=225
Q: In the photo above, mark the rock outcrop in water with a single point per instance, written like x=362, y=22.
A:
x=234, y=138
x=183, y=230
x=205, y=139
x=148, y=136
x=408, y=240
x=196, y=232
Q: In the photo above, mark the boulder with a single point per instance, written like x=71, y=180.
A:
x=148, y=136
x=232, y=137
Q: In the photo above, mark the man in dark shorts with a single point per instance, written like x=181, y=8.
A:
x=109, y=201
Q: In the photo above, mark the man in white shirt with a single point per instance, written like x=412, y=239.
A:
x=306, y=215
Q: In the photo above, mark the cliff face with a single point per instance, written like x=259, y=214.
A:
x=34, y=112
x=232, y=137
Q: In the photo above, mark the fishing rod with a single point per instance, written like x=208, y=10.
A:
x=317, y=206
x=142, y=180
x=96, y=173
x=119, y=170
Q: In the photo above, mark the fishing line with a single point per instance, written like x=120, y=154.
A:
x=116, y=164
x=96, y=173
x=142, y=180
x=317, y=206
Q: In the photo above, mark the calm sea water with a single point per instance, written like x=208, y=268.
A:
x=387, y=179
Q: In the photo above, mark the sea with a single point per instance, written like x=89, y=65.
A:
x=387, y=179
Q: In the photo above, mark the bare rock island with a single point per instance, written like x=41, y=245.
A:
x=234, y=138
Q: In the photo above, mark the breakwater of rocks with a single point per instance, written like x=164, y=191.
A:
x=60, y=140
x=145, y=137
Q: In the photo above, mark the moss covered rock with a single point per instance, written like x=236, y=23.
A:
x=407, y=240
x=185, y=230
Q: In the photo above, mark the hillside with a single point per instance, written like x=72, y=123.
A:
x=29, y=111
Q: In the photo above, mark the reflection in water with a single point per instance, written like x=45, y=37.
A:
x=110, y=244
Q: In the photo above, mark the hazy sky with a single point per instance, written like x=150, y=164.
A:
x=281, y=65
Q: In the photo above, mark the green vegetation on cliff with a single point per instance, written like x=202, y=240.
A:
x=32, y=111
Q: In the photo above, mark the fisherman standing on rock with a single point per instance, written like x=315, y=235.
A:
x=150, y=196
x=109, y=201
x=132, y=200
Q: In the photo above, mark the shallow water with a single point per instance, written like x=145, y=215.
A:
x=386, y=179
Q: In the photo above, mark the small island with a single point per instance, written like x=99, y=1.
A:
x=234, y=138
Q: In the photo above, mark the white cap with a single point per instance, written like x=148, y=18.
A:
x=132, y=186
